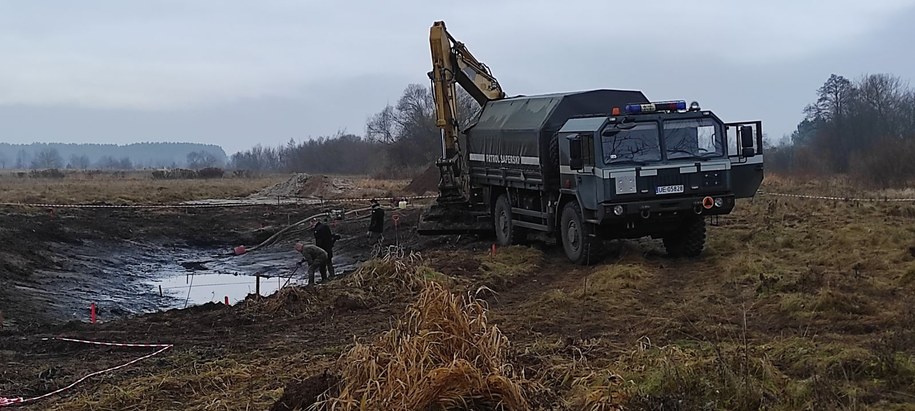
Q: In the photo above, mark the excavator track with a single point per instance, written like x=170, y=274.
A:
x=442, y=219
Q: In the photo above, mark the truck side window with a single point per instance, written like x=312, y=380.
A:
x=587, y=149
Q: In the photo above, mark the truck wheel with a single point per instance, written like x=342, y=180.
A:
x=506, y=232
x=577, y=240
x=688, y=240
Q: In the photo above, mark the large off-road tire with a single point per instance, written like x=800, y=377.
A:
x=688, y=240
x=580, y=245
x=506, y=232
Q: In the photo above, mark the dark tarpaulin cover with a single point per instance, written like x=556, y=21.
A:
x=513, y=128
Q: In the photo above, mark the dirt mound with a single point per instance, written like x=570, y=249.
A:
x=425, y=182
x=395, y=276
x=306, y=185
x=288, y=188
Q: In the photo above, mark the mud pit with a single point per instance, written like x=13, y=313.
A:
x=53, y=267
x=125, y=278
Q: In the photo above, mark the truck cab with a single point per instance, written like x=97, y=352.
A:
x=653, y=169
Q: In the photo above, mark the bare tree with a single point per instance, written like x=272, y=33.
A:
x=467, y=108
x=382, y=127
x=201, y=159
x=47, y=158
x=22, y=159
x=79, y=162
x=882, y=96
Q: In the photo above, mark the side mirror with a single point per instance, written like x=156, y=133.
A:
x=746, y=141
x=575, y=160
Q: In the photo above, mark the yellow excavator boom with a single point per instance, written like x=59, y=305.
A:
x=452, y=65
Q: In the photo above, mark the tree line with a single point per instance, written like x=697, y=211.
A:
x=398, y=140
x=864, y=128
x=110, y=156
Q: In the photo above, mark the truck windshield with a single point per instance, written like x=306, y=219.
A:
x=638, y=144
x=693, y=138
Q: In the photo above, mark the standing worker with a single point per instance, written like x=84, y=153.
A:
x=325, y=239
x=316, y=259
x=376, y=225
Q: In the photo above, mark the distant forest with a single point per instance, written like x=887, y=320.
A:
x=398, y=141
x=110, y=156
x=862, y=128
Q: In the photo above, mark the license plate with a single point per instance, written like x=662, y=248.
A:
x=669, y=189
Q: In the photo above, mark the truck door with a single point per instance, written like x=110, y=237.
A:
x=745, y=150
x=582, y=157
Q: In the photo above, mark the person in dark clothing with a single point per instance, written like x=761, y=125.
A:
x=325, y=239
x=376, y=225
x=317, y=260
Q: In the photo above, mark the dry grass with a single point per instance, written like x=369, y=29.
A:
x=287, y=301
x=190, y=381
x=395, y=276
x=138, y=187
x=442, y=354
x=509, y=265
x=797, y=304
x=369, y=187
x=134, y=188
x=396, y=272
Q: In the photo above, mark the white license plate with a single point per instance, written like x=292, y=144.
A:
x=669, y=189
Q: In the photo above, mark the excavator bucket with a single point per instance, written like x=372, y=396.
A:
x=452, y=213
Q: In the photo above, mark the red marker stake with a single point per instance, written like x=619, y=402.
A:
x=92, y=313
x=227, y=300
x=493, y=250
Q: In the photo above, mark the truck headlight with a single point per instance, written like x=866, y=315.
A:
x=618, y=210
x=718, y=202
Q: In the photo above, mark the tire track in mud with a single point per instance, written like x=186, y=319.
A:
x=550, y=301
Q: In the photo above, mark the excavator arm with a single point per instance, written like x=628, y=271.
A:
x=452, y=65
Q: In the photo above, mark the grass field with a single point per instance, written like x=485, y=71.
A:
x=795, y=304
x=139, y=187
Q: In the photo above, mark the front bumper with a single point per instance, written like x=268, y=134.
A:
x=668, y=207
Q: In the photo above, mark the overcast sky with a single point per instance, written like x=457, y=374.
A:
x=238, y=73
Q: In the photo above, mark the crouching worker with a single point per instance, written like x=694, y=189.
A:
x=316, y=259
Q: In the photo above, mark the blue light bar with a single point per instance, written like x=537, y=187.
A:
x=656, y=106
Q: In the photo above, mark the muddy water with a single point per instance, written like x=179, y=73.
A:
x=125, y=278
x=197, y=281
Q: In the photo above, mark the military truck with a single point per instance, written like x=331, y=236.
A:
x=583, y=167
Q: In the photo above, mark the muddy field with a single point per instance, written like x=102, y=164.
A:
x=796, y=304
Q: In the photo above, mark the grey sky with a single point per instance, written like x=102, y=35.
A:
x=238, y=73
